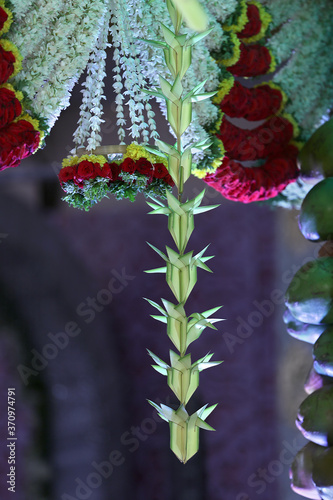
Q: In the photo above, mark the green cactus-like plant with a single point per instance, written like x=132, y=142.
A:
x=181, y=266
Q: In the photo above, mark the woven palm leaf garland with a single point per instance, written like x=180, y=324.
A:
x=181, y=266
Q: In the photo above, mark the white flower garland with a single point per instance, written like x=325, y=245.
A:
x=320, y=111
x=294, y=33
x=50, y=74
x=33, y=29
x=91, y=109
x=282, y=10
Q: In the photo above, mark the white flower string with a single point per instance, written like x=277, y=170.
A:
x=127, y=59
x=91, y=109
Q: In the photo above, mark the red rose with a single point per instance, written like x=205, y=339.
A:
x=160, y=171
x=66, y=174
x=106, y=171
x=128, y=165
x=3, y=17
x=17, y=141
x=7, y=60
x=86, y=170
x=115, y=171
x=143, y=166
x=10, y=107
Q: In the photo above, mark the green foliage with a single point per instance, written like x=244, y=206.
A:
x=94, y=190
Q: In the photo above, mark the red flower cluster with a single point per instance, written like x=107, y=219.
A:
x=238, y=183
x=253, y=26
x=256, y=103
x=88, y=170
x=259, y=143
x=7, y=60
x=17, y=141
x=10, y=106
x=254, y=60
x=3, y=17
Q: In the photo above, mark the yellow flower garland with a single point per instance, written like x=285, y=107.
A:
x=9, y=20
x=272, y=66
x=74, y=160
x=223, y=89
x=135, y=152
x=265, y=19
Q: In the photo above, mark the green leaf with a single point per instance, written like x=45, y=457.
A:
x=164, y=147
x=154, y=43
x=162, y=319
x=177, y=88
x=154, y=93
x=185, y=116
x=202, y=97
x=196, y=38
x=156, y=270
x=155, y=151
x=159, y=252
x=169, y=37
x=158, y=360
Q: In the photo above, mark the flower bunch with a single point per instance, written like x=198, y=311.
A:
x=89, y=178
x=238, y=183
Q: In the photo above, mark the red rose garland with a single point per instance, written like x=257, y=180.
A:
x=248, y=145
x=245, y=184
x=257, y=103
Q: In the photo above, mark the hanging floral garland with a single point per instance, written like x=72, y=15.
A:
x=20, y=134
x=89, y=178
